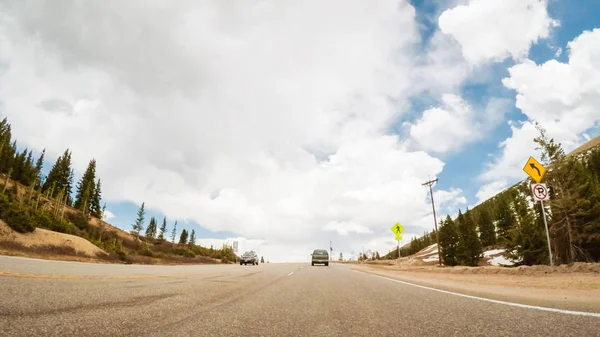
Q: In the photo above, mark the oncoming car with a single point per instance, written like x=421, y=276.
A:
x=249, y=257
x=320, y=256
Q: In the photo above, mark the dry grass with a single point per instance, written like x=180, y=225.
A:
x=39, y=250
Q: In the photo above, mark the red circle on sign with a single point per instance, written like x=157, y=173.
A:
x=540, y=191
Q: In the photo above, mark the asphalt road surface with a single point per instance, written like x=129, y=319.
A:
x=52, y=298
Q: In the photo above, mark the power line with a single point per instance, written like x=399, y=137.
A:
x=437, y=233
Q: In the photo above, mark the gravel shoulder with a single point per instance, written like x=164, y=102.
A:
x=565, y=290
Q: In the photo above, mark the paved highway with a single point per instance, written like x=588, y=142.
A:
x=53, y=298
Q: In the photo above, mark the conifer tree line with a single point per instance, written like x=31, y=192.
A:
x=513, y=221
x=31, y=199
x=40, y=200
x=58, y=184
x=153, y=232
x=185, y=246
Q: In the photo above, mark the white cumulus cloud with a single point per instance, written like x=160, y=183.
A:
x=562, y=97
x=455, y=123
x=267, y=119
x=493, y=30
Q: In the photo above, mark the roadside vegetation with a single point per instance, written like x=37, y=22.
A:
x=512, y=221
x=30, y=200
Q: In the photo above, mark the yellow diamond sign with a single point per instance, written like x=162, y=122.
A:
x=534, y=169
x=397, y=228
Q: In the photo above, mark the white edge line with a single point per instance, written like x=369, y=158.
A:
x=290, y=273
x=527, y=306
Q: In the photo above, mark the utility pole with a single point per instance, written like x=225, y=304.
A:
x=437, y=233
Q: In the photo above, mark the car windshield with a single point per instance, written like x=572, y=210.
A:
x=248, y=254
x=320, y=252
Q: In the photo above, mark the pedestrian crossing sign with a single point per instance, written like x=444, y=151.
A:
x=397, y=228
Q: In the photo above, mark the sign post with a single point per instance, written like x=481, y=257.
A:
x=398, y=229
x=540, y=193
x=537, y=171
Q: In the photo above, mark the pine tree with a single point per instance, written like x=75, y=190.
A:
x=151, y=229
x=163, y=230
x=552, y=152
x=487, y=231
x=506, y=218
x=23, y=167
x=449, y=242
x=469, y=247
x=593, y=162
x=154, y=228
x=29, y=170
x=588, y=237
x=192, y=238
x=527, y=245
x=138, y=226
x=174, y=232
x=38, y=169
x=86, y=188
x=61, y=177
x=19, y=166
x=96, y=199
x=68, y=186
x=262, y=258
x=183, y=238
x=7, y=152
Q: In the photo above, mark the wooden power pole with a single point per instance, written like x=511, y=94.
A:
x=437, y=233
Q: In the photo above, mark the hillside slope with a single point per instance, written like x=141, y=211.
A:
x=428, y=256
x=82, y=236
x=47, y=241
x=586, y=146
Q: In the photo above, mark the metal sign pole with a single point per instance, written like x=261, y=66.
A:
x=547, y=232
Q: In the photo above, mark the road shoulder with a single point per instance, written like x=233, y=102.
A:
x=574, y=291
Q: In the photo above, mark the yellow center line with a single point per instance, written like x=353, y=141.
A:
x=55, y=276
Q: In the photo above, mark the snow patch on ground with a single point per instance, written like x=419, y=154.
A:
x=432, y=258
x=500, y=261
x=429, y=250
x=493, y=252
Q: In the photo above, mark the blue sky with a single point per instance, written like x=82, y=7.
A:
x=217, y=138
x=463, y=166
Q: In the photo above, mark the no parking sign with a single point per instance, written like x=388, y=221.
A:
x=540, y=192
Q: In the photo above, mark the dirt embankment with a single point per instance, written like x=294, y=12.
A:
x=43, y=241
